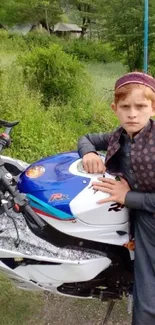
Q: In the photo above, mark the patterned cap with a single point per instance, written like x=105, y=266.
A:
x=137, y=78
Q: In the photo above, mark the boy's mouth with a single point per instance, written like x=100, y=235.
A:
x=132, y=123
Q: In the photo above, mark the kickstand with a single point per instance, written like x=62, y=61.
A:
x=109, y=311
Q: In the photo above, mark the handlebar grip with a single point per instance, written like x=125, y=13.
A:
x=5, y=140
x=8, y=124
x=39, y=222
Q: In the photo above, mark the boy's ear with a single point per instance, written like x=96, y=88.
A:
x=153, y=106
x=114, y=107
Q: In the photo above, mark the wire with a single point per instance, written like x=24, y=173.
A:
x=17, y=241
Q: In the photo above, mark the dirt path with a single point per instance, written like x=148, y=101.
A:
x=66, y=311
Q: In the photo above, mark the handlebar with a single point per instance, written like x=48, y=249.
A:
x=34, y=216
x=20, y=202
x=5, y=140
x=8, y=124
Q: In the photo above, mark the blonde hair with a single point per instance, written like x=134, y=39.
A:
x=122, y=92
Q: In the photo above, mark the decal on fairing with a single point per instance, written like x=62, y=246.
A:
x=35, y=171
x=58, y=197
x=45, y=209
x=116, y=207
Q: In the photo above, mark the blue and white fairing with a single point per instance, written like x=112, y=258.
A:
x=62, y=192
x=56, y=187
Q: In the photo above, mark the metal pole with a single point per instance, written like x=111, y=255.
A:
x=146, y=28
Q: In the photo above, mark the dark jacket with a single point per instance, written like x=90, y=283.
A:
x=142, y=161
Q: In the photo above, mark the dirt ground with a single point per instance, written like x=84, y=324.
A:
x=18, y=307
x=66, y=311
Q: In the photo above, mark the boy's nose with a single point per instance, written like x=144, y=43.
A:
x=132, y=116
x=132, y=113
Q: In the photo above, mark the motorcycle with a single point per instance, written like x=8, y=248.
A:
x=53, y=234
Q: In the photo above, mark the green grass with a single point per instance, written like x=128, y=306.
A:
x=17, y=307
x=104, y=77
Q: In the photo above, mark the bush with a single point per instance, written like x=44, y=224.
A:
x=151, y=70
x=3, y=35
x=89, y=50
x=151, y=66
x=11, y=42
x=17, y=42
x=85, y=50
x=38, y=133
x=45, y=132
x=57, y=75
x=34, y=39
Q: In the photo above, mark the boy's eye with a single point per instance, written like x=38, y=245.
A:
x=125, y=106
x=141, y=105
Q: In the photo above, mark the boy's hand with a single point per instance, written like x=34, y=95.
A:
x=116, y=189
x=92, y=163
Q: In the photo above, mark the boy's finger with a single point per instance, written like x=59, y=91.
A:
x=103, y=189
x=90, y=167
x=107, y=180
x=101, y=167
x=85, y=166
x=97, y=184
x=100, y=179
x=103, y=186
x=95, y=167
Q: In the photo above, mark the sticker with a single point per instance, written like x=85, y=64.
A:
x=35, y=171
x=58, y=197
x=116, y=207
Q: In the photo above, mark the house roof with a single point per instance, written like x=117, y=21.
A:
x=63, y=27
x=21, y=28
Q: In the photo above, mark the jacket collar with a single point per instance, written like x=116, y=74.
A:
x=144, y=133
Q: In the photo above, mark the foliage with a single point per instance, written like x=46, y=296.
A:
x=44, y=132
x=15, y=42
x=12, y=42
x=87, y=11
x=85, y=50
x=21, y=11
x=37, y=134
x=57, y=75
x=118, y=23
x=151, y=66
x=40, y=40
x=90, y=50
x=125, y=29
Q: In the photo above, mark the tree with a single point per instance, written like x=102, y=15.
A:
x=21, y=11
x=87, y=11
x=124, y=25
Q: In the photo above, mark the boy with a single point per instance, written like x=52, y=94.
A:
x=131, y=155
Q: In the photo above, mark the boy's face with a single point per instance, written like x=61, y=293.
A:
x=134, y=111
